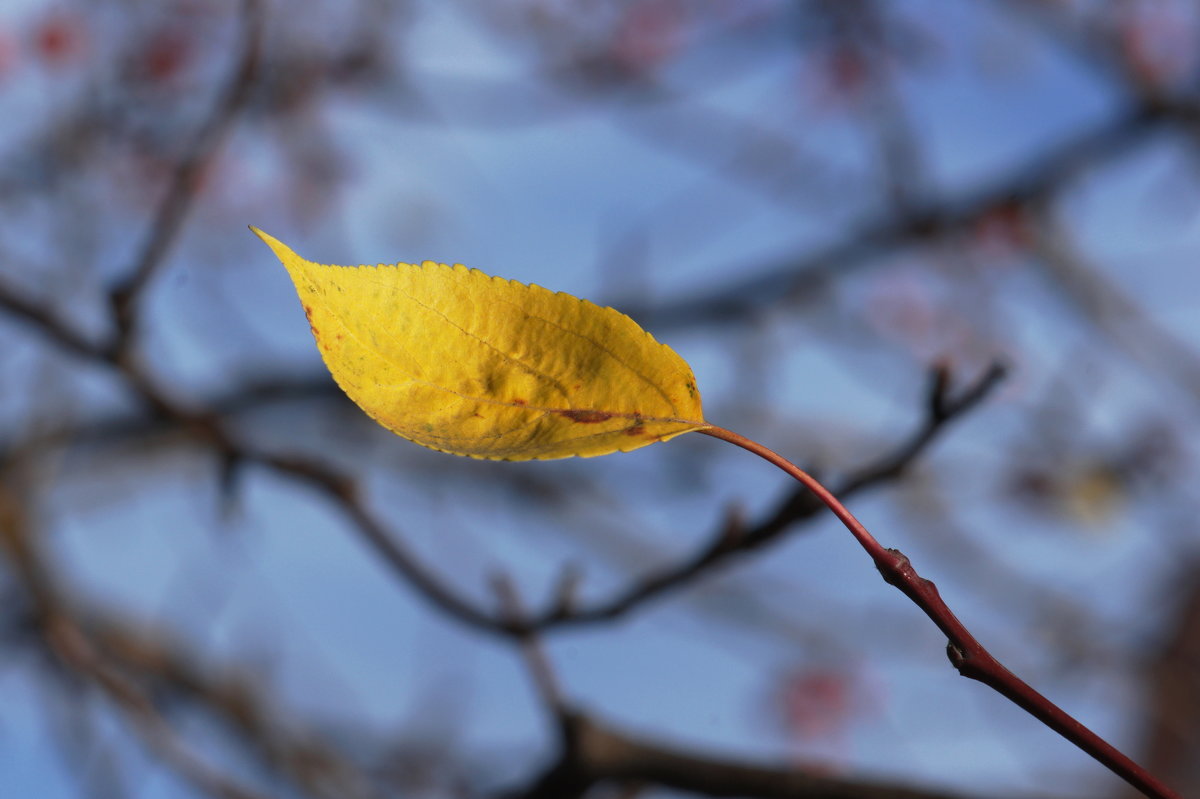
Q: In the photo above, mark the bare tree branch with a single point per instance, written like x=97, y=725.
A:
x=597, y=754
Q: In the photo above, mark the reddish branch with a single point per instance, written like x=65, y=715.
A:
x=966, y=653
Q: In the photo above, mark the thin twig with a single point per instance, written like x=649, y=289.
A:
x=342, y=490
x=49, y=324
x=182, y=191
x=1114, y=314
x=157, y=735
x=536, y=661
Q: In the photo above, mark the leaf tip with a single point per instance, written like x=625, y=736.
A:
x=281, y=250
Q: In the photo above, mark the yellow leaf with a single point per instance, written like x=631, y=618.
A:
x=474, y=365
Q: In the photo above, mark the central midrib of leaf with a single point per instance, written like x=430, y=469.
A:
x=557, y=411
